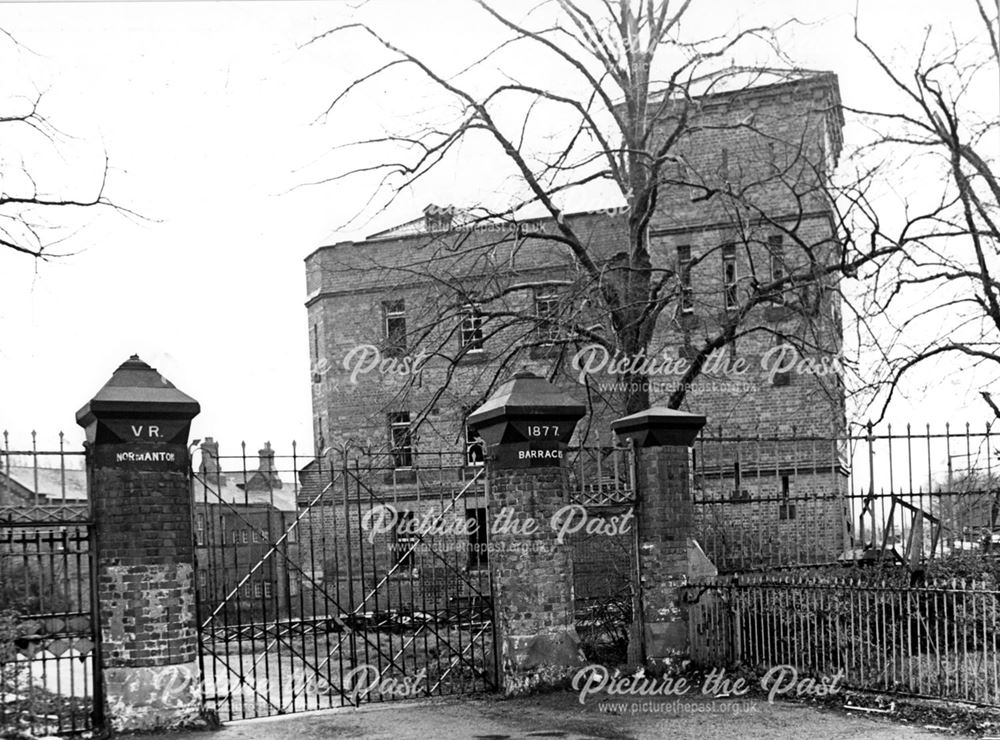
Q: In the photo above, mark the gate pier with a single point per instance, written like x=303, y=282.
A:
x=664, y=524
x=137, y=429
x=526, y=426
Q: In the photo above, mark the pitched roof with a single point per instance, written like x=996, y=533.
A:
x=231, y=488
x=56, y=484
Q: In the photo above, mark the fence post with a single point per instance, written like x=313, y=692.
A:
x=664, y=520
x=140, y=495
x=526, y=425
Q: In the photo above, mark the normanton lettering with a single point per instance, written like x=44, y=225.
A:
x=145, y=457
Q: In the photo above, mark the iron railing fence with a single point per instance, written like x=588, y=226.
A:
x=602, y=473
x=49, y=659
x=602, y=480
x=49, y=652
x=938, y=640
x=42, y=484
x=796, y=500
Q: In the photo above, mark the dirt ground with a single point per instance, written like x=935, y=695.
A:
x=560, y=715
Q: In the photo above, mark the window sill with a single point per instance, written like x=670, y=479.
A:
x=473, y=357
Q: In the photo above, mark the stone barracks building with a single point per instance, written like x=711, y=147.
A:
x=401, y=350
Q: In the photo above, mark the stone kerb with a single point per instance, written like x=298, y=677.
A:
x=664, y=521
x=526, y=426
x=137, y=429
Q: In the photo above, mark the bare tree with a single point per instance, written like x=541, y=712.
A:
x=636, y=127
x=942, y=298
x=29, y=199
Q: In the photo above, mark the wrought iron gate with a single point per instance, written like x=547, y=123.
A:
x=323, y=586
x=50, y=681
x=50, y=663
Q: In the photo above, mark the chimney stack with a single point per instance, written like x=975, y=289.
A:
x=265, y=466
x=209, y=468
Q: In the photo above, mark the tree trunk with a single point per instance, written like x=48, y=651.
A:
x=636, y=392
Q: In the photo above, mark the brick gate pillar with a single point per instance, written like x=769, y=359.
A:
x=526, y=425
x=140, y=495
x=664, y=521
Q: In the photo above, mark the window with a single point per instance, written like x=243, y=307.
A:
x=684, y=277
x=776, y=256
x=293, y=534
x=724, y=164
x=199, y=529
x=471, y=332
x=394, y=327
x=547, y=311
x=258, y=590
x=475, y=448
x=236, y=536
x=738, y=493
x=245, y=589
x=255, y=535
x=729, y=275
x=246, y=536
x=786, y=510
x=267, y=589
x=404, y=538
x=400, y=439
x=202, y=583
x=316, y=342
x=478, y=547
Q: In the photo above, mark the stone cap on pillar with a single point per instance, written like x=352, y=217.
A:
x=137, y=391
x=526, y=399
x=659, y=427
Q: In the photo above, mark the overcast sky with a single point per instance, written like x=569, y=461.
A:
x=209, y=113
